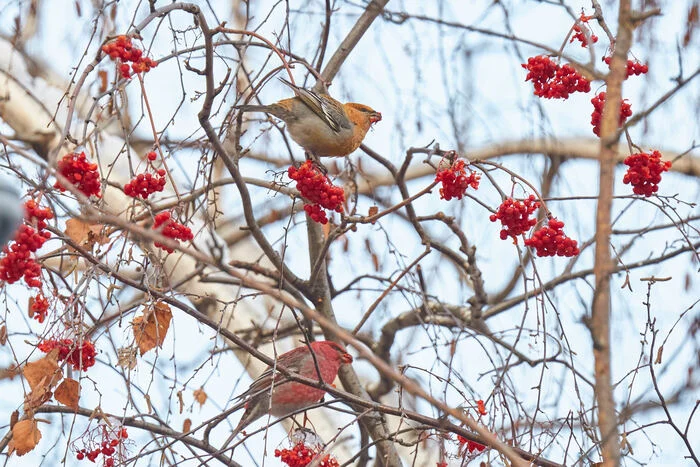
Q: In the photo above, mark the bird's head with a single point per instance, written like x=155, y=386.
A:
x=365, y=114
x=343, y=356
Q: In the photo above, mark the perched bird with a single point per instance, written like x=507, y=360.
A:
x=12, y=210
x=320, y=124
x=286, y=396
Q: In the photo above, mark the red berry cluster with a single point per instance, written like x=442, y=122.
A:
x=301, y=456
x=644, y=173
x=550, y=240
x=481, y=407
x=471, y=446
x=81, y=173
x=515, y=216
x=598, y=103
x=81, y=358
x=123, y=49
x=35, y=215
x=18, y=261
x=145, y=184
x=171, y=229
x=455, y=180
x=635, y=68
x=38, y=308
x=107, y=448
x=552, y=81
x=318, y=190
x=580, y=36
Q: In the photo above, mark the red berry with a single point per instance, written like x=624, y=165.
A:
x=317, y=188
x=550, y=240
x=515, y=217
x=123, y=49
x=598, y=103
x=580, y=36
x=644, y=173
x=144, y=185
x=81, y=358
x=552, y=81
x=455, y=180
x=81, y=173
x=301, y=456
x=39, y=308
x=18, y=261
x=171, y=229
x=633, y=68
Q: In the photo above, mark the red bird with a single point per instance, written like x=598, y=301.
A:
x=287, y=397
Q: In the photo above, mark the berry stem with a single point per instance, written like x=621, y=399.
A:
x=156, y=139
x=543, y=204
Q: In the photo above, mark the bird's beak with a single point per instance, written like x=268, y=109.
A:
x=346, y=358
x=375, y=117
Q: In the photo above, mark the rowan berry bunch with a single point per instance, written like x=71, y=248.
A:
x=515, y=216
x=580, y=35
x=81, y=173
x=552, y=81
x=171, y=229
x=111, y=447
x=635, y=68
x=481, y=407
x=147, y=183
x=469, y=445
x=455, y=180
x=301, y=456
x=644, y=173
x=18, y=261
x=550, y=240
x=35, y=215
x=123, y=50
x=81, y=357
x=598, y=104
x=316, y=188
x=38, y=307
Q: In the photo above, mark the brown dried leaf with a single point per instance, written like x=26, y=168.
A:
x=691, y=24
x=200, y=396
x=126, y=358
x=659, y=354
x=9, y=372
x=102, y=74
x=30, y=308
x=180, y=400
x=25, y=437
x=84, y=234
x=3, y=334
x=68, y=393
x=43, y=373
x=375, y=262
x=186, y=425
x=151, y=328
x=14, y=418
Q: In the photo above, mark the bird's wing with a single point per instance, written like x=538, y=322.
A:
x=292, y=360
x=325, y=108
